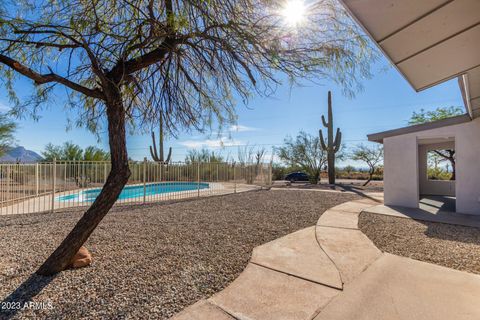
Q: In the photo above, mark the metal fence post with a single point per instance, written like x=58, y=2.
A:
x=144, y=179
x=198, y=179
x=270, y=174
x=234, y=180
x=36, y=179
x=54, y=173
x=104, y=172
x=8, y=196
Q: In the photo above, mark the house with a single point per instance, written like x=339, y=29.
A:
x=429, y=42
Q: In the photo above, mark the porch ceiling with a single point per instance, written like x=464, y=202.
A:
x=429, y=41
x=470, y=84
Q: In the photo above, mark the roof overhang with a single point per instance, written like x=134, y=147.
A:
x=428, y=41
x=470, y=87
x=378, y=137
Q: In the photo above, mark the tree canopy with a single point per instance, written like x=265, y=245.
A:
x=190, y=59
x=438, y=114
x=71, y=151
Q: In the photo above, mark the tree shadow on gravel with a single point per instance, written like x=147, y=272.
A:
x=22, y=296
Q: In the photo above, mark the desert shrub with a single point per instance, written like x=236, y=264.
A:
x=438, y=174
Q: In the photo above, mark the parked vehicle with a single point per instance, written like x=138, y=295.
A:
x=297, y=176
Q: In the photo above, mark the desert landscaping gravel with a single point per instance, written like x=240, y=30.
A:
x=447, y=245
x=150, y=261
x=355, y=186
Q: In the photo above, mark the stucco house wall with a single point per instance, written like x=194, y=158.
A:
x=402, y=173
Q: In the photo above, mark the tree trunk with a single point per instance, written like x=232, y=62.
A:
x=452, y=162
x=370, y=176
x=116, y=180
x=331, y=167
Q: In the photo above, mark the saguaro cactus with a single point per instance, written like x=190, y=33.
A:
x=331, y=146
x=153, y=151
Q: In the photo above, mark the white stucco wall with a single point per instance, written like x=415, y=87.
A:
x=401, y=166
x=433, y=187
x=400, y=171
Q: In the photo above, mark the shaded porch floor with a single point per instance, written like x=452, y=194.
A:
x=431, y=208
x=436, y=204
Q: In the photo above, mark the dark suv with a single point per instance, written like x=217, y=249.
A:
x=297, y=176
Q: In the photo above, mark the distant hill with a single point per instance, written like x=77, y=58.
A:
x=20, y=154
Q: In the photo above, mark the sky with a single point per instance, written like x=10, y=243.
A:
x=386, y=102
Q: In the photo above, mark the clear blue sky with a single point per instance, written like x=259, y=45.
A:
x=386, y=102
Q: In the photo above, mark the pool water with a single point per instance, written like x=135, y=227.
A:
x=136, y=191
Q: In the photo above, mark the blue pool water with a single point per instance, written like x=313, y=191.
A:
x=136, y=191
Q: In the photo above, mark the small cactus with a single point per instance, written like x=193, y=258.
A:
x=331, y=146
x=153, y=151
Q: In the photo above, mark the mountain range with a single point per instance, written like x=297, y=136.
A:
x=20, y=154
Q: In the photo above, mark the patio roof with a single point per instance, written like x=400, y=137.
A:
x=378, y=137
x=428, y=41
x=470, y=86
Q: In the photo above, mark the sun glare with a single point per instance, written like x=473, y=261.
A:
x=294, y=12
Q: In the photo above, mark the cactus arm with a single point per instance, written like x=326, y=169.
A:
x=325, y=124
x=154, y=154
x=338, y=140
x=322, y=141
x=169, y=156
x=338, y=137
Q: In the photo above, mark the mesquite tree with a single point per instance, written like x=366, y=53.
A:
x=123, y=63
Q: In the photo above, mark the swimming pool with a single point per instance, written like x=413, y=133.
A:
x=135, y=191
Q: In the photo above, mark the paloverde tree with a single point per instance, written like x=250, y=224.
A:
x=125, y=62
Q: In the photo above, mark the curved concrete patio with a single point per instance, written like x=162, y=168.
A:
x=333, y=271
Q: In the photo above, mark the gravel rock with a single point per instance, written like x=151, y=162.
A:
x=149, y=261
x=345, y=185
x=452, y=246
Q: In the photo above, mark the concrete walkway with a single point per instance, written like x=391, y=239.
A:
x=333, y=271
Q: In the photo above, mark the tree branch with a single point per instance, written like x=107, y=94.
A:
x=124, y=68
x=42, y=44
x=51, y=77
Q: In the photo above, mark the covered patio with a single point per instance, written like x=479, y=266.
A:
x=406, y=181
x=429, y=42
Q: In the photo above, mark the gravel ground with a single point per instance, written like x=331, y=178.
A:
x=341, y=185
x=150, y=261
x=447, y=245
